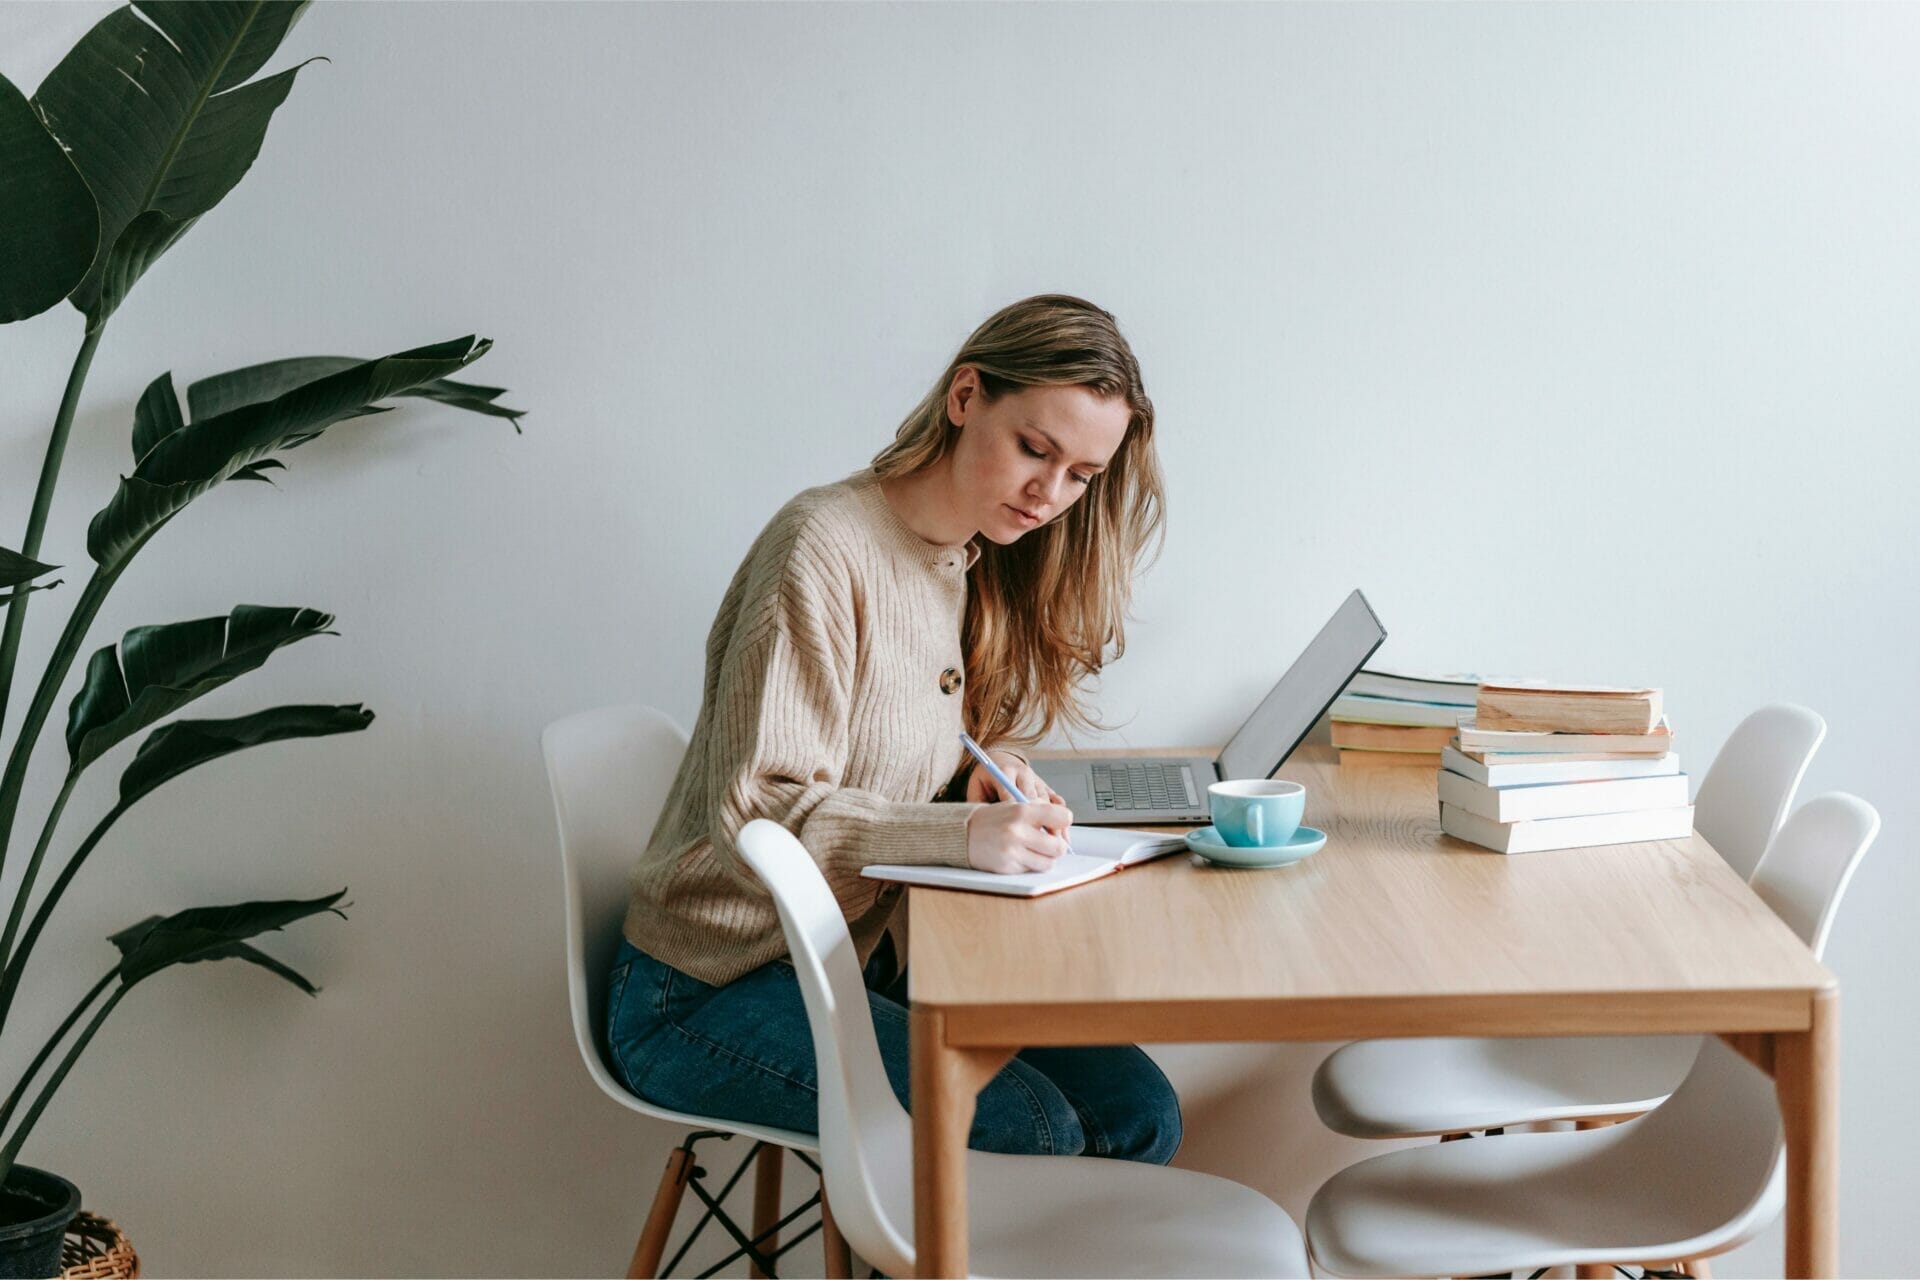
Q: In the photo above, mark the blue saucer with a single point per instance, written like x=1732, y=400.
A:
x=1306, y=842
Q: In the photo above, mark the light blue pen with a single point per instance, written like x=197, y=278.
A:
x=993, y=770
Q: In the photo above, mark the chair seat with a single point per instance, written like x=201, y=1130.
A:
x=1410, y=1088
x=759, y=1133
x=1524, y=1201
x=1080, y=1216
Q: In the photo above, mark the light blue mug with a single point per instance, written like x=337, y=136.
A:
x=1258, y=812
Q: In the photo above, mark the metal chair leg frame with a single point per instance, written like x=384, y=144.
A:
x=747, y=1247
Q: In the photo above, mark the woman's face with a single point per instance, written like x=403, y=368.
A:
x=1025, y=458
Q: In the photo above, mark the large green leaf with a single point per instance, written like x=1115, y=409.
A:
x=154, y=110
x=225, y=392
x=212, y=933
x=48, y=225
x=16, y=568
x=139, y=247
x=157, y=416
x=182, y=465
x=172, y=749
x=157, y=670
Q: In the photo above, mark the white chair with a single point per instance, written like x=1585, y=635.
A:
x=1030, y=1215
x=610, y=770
x=1446, y=1085
x=1699, y=1175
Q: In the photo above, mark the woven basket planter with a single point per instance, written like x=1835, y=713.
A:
x=96, y=1249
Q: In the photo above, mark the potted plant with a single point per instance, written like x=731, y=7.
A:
x=143, y=127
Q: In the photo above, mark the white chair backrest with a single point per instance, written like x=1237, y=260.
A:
x=866, y=1139
x=1715, y=1145
x=1806, y=869
x=1749, y=789
x=610, y=770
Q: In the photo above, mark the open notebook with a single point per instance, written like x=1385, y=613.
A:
x=1094, y=852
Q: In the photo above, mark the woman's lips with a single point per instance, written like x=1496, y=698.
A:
x=1023, y=517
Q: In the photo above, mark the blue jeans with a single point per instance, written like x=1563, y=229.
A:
x=744, y=1052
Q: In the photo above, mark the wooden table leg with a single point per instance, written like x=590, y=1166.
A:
x=1807, y=1076
x=946, y=1082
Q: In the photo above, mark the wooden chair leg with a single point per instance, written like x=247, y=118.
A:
x=838, y=1259
x=1698, y=1267
x=1600, y=1270
x=766, y=1201
x=666, y=1205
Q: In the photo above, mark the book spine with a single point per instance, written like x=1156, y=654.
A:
x=1386, y=737
x=1567, y=833
x=1536, y=769
x=1473, y=738
x=1563, y=713
x=1393, y=711
x=1378, y=759
x=1564, y=800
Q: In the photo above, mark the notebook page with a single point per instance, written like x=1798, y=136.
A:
x=1067, y=870
x=1122, y=845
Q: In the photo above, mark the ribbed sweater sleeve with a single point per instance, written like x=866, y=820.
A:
x=781, y=750
x=832, y=704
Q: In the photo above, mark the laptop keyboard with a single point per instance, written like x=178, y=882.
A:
x=1143, y=786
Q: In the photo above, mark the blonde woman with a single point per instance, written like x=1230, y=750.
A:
x=971, y=579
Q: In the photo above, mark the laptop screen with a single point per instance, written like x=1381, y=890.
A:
x=1303, y=695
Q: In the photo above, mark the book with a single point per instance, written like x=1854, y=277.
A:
x=1093, y=852
x=1473, y=738
x=1567, y=708
x=1403, y=759
x=1497, y=770
x=1563, y=799
x=1449, y=690
x=1390, y=737
x=1567, y=833
x=1367, y=710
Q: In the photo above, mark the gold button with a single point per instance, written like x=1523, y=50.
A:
x=950, y=681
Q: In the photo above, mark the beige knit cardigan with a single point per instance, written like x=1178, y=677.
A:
x=832, y=705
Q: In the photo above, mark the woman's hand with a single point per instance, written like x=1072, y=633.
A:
x=1009, y=838
x=982, y=789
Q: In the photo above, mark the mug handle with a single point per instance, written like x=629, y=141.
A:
x=1257, y=824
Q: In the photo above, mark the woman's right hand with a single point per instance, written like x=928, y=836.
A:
x=1009, y=838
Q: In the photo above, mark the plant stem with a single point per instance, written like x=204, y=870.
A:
x=42, y=504
x=12, y=1149
x=17, y=962
x=33, y=867
x=46, y=1051
x=92, y=596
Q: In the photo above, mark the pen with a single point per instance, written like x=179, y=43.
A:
x=993, y=770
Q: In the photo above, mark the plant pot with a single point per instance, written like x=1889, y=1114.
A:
x=35, y=1208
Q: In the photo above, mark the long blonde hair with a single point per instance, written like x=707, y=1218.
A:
x=1047, y=612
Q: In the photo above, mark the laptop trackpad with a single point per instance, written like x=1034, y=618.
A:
x=1073, y=788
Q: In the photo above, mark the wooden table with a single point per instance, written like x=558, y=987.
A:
x=1392, y=930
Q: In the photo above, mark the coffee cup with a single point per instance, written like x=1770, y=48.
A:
x=1256, y=813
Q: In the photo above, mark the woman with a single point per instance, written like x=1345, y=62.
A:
x=970, y=579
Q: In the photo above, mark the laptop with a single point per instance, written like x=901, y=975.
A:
x=1106, y=791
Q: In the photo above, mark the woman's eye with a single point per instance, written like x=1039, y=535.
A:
x=1032, y=452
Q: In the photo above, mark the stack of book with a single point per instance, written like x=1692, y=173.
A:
x=1563, y=767
x=1388, y=717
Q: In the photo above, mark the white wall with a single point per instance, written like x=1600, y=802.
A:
x=1583, y=338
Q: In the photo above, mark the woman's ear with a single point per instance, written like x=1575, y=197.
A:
x=961, y=394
